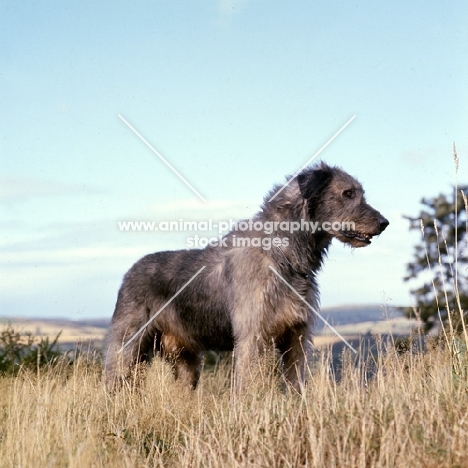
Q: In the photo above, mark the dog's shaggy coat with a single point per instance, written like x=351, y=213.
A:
x=238, y=302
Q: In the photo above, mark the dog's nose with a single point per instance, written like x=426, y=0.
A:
x=383, y=223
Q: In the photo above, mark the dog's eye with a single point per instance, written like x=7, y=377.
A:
x=349, y=193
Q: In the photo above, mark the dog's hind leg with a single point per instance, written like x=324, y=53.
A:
x=187, y=368
x=126, y=344
x=186, y=365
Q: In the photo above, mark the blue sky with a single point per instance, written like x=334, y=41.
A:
x=235, y=94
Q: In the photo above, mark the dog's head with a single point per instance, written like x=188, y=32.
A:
x=337, y=206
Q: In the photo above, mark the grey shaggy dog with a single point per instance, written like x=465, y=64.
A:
x=237, y=302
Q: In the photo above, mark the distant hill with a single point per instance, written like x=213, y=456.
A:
x=350, y=321
x=87, y=332
x=360, y=320
x=345, y=315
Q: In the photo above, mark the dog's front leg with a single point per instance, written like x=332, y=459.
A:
x=246, y=361
x=295, y=346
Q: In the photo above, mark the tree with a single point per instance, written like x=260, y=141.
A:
x=440, y=261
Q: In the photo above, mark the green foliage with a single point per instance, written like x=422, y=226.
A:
x=25, y=350
x=440, y=261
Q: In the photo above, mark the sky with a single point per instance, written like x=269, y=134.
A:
x=234, y=95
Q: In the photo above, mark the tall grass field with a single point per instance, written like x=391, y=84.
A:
x=391, y=410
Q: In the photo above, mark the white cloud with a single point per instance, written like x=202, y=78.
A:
x=70, y=255
x=193, y=209
x=14, y=189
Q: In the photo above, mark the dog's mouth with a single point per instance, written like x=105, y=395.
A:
x=358, y=236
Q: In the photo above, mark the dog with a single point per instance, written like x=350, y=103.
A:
x=255, y=288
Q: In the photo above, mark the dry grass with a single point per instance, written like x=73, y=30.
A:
x=411, y=412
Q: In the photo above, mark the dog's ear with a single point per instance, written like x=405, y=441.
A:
x=313, y=182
